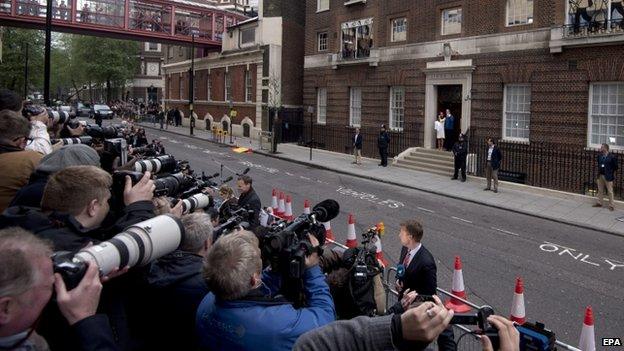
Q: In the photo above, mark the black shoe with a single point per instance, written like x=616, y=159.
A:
x=486, y=189
x=463, y=180
x=495, y=191
x=380, y=165
x=454, y=178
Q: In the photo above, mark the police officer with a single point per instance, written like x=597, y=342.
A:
x=460, y=151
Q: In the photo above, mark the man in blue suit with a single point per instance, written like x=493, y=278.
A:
x=449, y=131
x=607, y=165
x=244, y=310
x=493, y=162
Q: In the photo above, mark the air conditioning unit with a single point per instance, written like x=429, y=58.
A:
x=353, y=2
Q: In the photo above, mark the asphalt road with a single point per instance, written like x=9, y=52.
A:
x=564, y=268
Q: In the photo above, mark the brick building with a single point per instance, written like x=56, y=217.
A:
x=147, y=85
x=527, y=72
x=259, y=68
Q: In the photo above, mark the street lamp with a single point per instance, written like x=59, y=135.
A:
x=192, y=82
x=311, y=113
x=232, y=115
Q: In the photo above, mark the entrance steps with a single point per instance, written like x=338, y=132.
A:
x=426, y=160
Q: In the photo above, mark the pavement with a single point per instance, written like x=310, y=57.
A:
x=568, y=208
x=564, y=267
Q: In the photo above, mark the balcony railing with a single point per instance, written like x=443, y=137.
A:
x=593, y=28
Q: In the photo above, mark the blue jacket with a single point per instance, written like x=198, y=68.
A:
x=497, y=157
x=609, y=164
x=262, y=324
x=449, y=122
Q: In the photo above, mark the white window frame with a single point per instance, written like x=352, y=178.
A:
x=248, y=43
x=505, y=112
x=396, y=110
x=228, y=87
x=355, y=107
x=320, y=7
x=527, y=14
x=394, y=33
x=248, y=86
x=461, y=20
x=321, y=105
x=319, y=41
x=617, y=101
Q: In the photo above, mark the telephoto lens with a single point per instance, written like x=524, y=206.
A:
x=58, y=117
x=169, y=185
x=138, y=244
x=164, y=164
x=197, y=201
x=87, y=140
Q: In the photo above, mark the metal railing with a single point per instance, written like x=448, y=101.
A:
x=593, y=28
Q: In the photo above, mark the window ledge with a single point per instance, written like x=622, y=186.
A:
x=353, y=2
x=516, y=141
x=321, y=11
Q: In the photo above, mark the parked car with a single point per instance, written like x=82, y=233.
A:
x=82, y=110
x=102, y=110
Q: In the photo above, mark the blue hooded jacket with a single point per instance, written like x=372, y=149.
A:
x=262, y=324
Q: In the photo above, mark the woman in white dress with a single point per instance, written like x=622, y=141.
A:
x=439, y=127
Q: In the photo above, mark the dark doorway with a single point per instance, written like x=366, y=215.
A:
x=246, y=130
x=152, y=94
x=225, y=126
x=450, y=97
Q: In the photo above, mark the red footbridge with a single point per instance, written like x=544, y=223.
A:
x=175, y=21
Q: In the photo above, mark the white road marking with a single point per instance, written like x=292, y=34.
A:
x=425, y=210
x=560, y=250
x=505, y=231
x=461, y=219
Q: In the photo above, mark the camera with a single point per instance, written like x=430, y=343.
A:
x=117, y=148
x=197, y=201
x=138, y=244
x=237, y=218
x=164, y=164
x=86, y=140
x=97, y=132
x=57, y=117
x=364, y=262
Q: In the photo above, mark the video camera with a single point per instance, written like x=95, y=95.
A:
x=365, y=264
x=138, y=244
x=533, y=337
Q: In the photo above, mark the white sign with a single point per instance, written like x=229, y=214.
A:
x=357, y=23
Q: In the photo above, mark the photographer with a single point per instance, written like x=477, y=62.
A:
x=242, y=310
x=16, y=162
x=248, y=197
x=26, y=286
x=175, y=284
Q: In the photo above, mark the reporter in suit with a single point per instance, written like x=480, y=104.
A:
x=420, y=272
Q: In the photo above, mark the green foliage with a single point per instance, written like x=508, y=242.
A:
x=14, y=42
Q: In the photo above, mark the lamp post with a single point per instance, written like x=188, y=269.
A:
x=232, y=115
x=26, y=73
x=47, y=51
x=311, y=113
x=192, y=83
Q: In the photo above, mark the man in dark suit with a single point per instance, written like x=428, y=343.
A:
x=420, y=274
x=460, y=152
x=249, y=198
x=493, y=158
x=383, y=140
x=607, y=166
x=357, y=147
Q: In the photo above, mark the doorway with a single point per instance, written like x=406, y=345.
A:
x=152, y=95
x=450, y=98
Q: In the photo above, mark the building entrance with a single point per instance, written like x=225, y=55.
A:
x=450, y=98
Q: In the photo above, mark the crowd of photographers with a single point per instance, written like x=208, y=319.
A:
x=106, y=243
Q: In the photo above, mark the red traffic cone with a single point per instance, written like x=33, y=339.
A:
x=458, y=290
x=517, y=307
x=329, y=233
x=351, y=236
x=288, y=215
x=588, y=337
x=306, y=207
x=379, y=252
x=281, y=207
x=274, y=199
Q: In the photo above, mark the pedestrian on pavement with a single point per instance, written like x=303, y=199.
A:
x=607, y=165
x=357, y=147
x=494, y=158
x=383, y=140
x=460, y=152
x=439, y=128
x=177, y=116
x=161, y=117
x=449, y=129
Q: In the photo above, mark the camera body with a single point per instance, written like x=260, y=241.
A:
x=117, y=148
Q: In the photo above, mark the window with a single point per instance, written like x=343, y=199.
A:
x=397, y=108
x=248, y=36
x=208, y=88
x=152, y=46
x=322, y=5
x=357, y=38
x=399, y=29
x=517, y=112
x=228, y=87
x=170, y=51
x=606, y=114
x=355, y=107
x=182, y=90
x=322, y=41
x=321, y=105
x=248, y=86
x=519, y=12
x=451, y=21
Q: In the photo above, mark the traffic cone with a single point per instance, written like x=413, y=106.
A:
x=288, y=215
x=351, y=236
x=379, y=252
x=281, y=208
x=329, y=233
x=306, y=207
x=458, y=290
x=517, y=307
x=588, y=338
x=274, y=199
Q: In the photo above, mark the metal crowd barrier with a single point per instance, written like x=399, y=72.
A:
x=464, y=337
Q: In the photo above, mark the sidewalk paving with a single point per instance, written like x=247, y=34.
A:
x=569, y=208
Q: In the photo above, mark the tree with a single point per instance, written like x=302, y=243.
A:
x=14, y=43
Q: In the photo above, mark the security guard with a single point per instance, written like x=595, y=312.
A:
x=460, y=151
